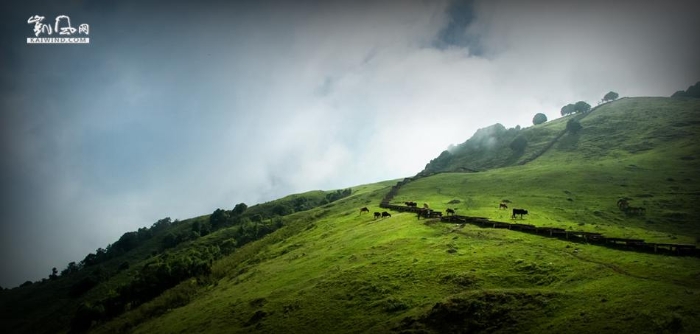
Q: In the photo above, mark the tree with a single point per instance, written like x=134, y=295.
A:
x=282, y=210
x=568, y=109
x=539, y=118
x=219, y=218
x=239, y=209
x=693, y=91
x=573, y=126
x=611, y=96
x=161, y=224
x=582, y=107
x=71, y=268
x=123, y=266
x=170, y=240
x=518, y=144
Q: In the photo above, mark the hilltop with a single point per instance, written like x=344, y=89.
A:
x=317, y=265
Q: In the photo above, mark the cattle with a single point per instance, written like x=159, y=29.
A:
x=377, y=215
x=633, y=210
x=385, y=214
x=520, y=212
x=411, y=204
x=450, y=212
x=623, y=204
x=364, y=210
x=502, y=206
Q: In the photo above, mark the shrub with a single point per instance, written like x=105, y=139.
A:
x=518, y=144
x=539, y=118
x=573, y=126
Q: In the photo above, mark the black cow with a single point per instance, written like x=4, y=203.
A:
x=411, y=204
x=520, y=212
x=385, y=214
x=450, y=212
x=377, y=215
x=623, y=204
x=633, y=210
x=364, y=210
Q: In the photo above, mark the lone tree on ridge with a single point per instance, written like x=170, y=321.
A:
x=539, y=118
x=611, y=96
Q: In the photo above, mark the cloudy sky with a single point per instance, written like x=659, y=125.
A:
x=178, y=108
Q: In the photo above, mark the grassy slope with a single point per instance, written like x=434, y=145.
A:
x=47, y=307
x=332, y=270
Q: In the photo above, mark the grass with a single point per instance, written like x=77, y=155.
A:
x=350, y=273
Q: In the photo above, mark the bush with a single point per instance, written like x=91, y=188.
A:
x=239, y=209
x=573, y=126
x=123, y=266
x=518, y=144
x=228, y=246
x=539, y=118
x=219, y=218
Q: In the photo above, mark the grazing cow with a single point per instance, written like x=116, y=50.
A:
x=520, y=212
x=385, y=214
x=502, y=206
x=623, y=204
x=377, y=215
x=364, y=210
x=450, y=212
x=425, y=213
x=633, y=210
x=411, y=204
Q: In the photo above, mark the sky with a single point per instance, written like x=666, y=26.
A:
x=176, y=108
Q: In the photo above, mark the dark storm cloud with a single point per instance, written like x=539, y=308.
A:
x=460, y=15
x=177, y=108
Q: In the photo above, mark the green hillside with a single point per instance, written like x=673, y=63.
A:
x=490, y=147
x=284, y=267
